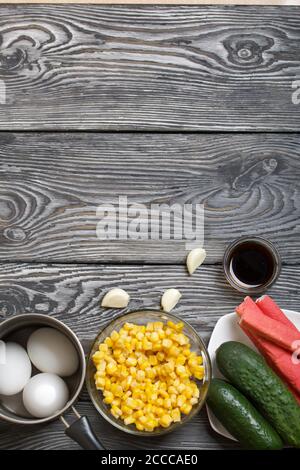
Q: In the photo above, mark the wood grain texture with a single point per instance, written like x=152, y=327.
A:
x=149, y=67
x=52, y=184
x=72, y=294
x=165, y=2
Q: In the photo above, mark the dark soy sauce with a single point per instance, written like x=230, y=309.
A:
x=251, y=264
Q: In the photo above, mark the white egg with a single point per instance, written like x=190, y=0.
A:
x=14, y=404
x=15, y=368
x=44, y=395
x=51, y=351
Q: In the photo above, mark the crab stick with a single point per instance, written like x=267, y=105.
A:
x=276, y=332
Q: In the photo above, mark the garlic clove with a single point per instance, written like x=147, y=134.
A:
x=169, y=299
x=194, y=259
x=115, y=298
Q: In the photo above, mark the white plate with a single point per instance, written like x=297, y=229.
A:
x=227, y=329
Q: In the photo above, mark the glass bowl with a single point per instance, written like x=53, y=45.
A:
x=234, y=281
x=142, y=317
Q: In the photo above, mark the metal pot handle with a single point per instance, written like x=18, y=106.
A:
x=81, y=432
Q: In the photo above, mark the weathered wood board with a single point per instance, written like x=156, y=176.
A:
x=149, y=67
x=52, y=184
x=163, y=2
x=72, y=293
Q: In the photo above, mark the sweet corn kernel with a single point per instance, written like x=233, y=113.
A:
x=186, y=352
x=116, y=411
x=186, y=408
x=180, y=360
x=100, y=373
x=173, y=399
x=129, y=420
x=161, y=334
x=158, y=325
x=151, y=423
x=181, y=400
x=167, y=343
x=133, y=371
x=147, y=345
x=154, y=337
x=126, y=410
x=97, y=357
x=174, y=351
x=140, y=375
x=160, y=402
x=114, y=336
x=175, y=415
x=160, y=356
x=188, y=392
x=179, y=326
x=111, y=368
x=150, y=327
x=131, y=361
x=108, y=341
x=199, y=373
x=153, y=360
x=143, y=419
x=100, y=382
x=118, y=391
x=157, y=347
x=165, y=421
x=117, y=353
x=181, y=371
x=109, y=399
x=159, y=411
x=116, y=402
x=167, y=403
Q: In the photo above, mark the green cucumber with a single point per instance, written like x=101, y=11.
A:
x=240, y=417
x=249, y=372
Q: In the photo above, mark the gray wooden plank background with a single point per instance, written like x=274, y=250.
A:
x=190, y=80
x=149, y=67
x=72, y=293
x=52, y=184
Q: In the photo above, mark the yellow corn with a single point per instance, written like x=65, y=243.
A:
x=158, y=325
x=114, y=336
x=145, y=373
x=167, y=343
x=116, y=411
x=175, y=415
x=129, y=420
x=111, y=368
x=186, y=408
x=165, y=421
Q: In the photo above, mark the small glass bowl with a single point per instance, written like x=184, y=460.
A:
x=234, y=282
x=142, y=317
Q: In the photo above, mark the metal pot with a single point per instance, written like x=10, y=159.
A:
x=18, y=329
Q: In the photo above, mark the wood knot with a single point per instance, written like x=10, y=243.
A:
x=7, y=211
x=254, y=174
x=247, y=49
x=12, y=301
x=15, y=234
x=12, y=59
